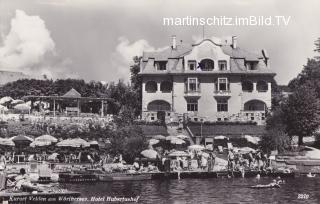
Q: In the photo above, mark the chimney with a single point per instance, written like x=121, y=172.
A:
x=234, y=42
x=174, y=42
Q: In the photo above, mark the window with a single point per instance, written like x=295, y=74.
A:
x=251, y=65
x=262, y=86
x=247, y=86
x=222, y=84
x=192, y=85
x=166, y=86
x=161, y=65
x=207, y=65
x=192, y=64
x=222, y=105
x=192, y=105
x=151, y=87
x=222, y=65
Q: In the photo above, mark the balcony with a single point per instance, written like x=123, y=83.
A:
x=222, y=93
x=192, y=93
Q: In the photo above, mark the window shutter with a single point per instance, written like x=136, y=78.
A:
x=198, y=84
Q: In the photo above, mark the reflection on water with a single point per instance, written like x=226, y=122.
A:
x=205, y=190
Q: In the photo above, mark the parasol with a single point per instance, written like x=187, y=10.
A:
x=46, y=138
x=178, y=154
x=149, y=153
x=196, y=147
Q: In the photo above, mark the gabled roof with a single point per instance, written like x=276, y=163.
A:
x=72, y=93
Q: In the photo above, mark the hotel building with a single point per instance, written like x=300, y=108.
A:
x=207, y=81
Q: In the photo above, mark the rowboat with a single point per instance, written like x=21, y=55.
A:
x=124, y=177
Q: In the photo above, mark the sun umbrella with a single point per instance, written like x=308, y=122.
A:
x=149, y=153
x=171, y=137
x=196, y=147
x=73, y=143
x=246, y=149
x=159, y=137
x=38, y=143
x=177, y=141
x=22, y=107
x=182, y=137
x=46, y=138
x=153, y=141
x=16, y=102
x=6, y=142
x=253, y=140
x=5, y=99
x=221, y=137
x=93, y=143
x=3, y=108
x=53, y=156
x=21, y=138
x=178, y=154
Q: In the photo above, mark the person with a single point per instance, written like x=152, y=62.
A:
x=2, y=163
x=136, y=166
x=204, y=162
x=22, y=180
x=250, y=159
x=231, y=159
x=258, y=159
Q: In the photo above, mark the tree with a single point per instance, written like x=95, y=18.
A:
x=275, y=137
x=136, y=83
x=301, y=112
x=128, y=141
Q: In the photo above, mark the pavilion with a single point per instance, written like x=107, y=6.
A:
x=70, y=97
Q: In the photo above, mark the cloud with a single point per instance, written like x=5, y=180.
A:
x=29, y=48
x=124, y=52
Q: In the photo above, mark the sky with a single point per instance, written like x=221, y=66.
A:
x=97, y=39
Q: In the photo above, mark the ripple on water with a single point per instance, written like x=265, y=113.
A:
x=205, y=190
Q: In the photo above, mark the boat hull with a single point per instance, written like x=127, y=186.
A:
x=124, y=177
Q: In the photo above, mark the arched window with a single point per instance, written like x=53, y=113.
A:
x=151, y=87
x=254, y=105
x=159, y=105
x=207, y=65
x=247, y=86
x=166, y=86
x=262, y=86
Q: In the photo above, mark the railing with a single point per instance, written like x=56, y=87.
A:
x=222, y=93
x=192, y=93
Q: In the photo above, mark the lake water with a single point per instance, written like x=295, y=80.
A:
x=221, y=190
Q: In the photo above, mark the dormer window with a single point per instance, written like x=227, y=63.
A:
x=206, y=65
x=192, y=65
x=222, y=65
x=161, y=65
x=251, y=65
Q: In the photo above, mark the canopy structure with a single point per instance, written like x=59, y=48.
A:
x=177, y=141
x=71, y=96
x=22, y=107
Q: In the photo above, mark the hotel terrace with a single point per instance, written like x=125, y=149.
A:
x=207, y=81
